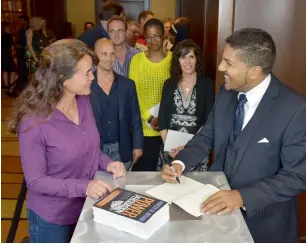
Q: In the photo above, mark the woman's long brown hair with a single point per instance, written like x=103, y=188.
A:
x=181, y=50
x=57, y=63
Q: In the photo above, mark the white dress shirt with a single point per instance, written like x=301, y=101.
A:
x=254, y=97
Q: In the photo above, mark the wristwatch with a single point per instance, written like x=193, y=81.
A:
x=149, y=119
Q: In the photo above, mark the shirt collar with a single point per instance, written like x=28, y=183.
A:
x=129, y=50
x=104, y=24
x=255, y=95
x=95, y=80
x=57, y=114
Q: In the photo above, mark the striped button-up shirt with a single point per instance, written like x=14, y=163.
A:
x=125, y=67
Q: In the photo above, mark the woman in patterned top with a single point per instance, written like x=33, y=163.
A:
x=188, y=96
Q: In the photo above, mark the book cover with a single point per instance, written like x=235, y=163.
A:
x=130, y=204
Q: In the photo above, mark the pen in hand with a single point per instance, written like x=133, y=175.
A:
x=172, y=169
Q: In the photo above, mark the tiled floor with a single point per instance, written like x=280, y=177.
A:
x=11, y=175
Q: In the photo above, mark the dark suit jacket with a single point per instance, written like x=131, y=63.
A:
x=130, y=128
x=204, y=102
x=270, y=175
x=91, y=35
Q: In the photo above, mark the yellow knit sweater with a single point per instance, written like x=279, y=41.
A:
x=149, y=80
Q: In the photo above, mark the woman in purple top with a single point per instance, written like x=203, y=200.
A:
x=59, y=141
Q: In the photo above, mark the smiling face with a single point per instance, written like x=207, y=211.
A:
x=117, y=32
x=154, y=38
x=236, y=72
x=188, y=62
x=80, y=82
x=105, y=51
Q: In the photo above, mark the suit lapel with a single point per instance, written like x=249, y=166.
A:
x=121, y=96
x=262, y=111
x=226, y=122
x=95, y=96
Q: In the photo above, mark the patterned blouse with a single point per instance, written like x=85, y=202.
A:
x=183, y=117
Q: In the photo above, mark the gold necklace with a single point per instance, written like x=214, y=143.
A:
x=187, y=89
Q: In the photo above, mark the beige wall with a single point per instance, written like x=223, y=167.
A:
x=29, y=8
x=80, y=11
x=163, y=8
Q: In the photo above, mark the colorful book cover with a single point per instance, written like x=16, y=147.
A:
x=130, y=204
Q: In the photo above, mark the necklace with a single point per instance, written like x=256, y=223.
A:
x=188, y=88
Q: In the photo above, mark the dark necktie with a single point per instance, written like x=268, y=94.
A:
x=239, y=115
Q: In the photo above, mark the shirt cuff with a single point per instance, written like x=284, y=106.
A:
x=82, y=187
x=104, y=161
x=179, y=162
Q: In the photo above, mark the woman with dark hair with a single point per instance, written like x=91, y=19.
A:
x=188, y=96
x=59, y=141
x=149, y=70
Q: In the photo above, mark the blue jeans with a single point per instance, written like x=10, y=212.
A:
x=112, y=150
x=42, y=231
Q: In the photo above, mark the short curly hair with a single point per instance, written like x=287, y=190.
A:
x=255, y=48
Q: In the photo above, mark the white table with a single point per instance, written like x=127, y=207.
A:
x=182, y=227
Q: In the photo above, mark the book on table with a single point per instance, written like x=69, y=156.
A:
x=188, y=195
x=131, y=212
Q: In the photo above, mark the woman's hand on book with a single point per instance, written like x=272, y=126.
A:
x=168, y=175
x=97, y=188
x=117, y=168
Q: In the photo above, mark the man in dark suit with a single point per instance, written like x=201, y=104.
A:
x=258, y=133
x=109, y=9
x=115, y=106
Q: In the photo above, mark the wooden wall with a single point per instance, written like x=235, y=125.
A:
x=284, y=20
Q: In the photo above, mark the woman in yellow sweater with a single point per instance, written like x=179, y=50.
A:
x=149, y=70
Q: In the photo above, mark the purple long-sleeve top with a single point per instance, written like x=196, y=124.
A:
x=59, y=158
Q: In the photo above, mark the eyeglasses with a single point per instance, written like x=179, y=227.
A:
x=156, y=38
x=119, y=31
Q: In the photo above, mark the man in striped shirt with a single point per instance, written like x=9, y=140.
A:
x=117, y=27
